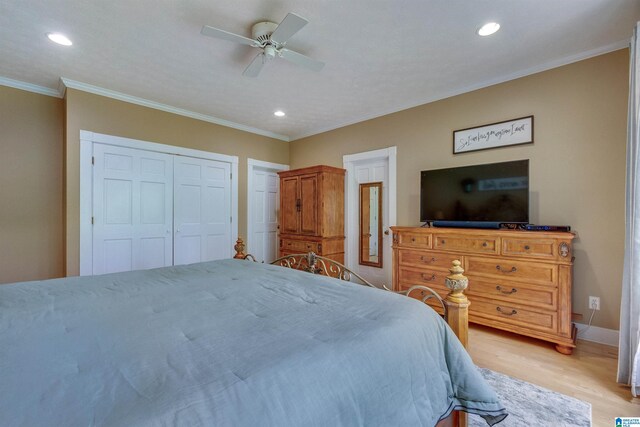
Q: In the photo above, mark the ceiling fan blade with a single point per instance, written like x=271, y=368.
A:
x=226, y=35
x=255, y=67
x=290, y=25
x=300, y=59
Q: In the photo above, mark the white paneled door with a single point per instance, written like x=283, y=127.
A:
x=202, y=212
x=132, y=209
x=370, y=170
x=264, y=211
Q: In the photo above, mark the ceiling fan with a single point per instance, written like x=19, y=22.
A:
x=270, y=38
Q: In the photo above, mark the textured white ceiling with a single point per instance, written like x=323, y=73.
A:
x=381, y=55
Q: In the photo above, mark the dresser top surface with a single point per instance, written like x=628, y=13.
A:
x=487, y=232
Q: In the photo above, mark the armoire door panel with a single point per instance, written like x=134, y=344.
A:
x=289, y=206
x=309, y=204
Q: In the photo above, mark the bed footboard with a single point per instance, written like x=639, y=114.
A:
x=455, y=305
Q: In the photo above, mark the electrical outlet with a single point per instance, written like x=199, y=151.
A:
x=594, y=302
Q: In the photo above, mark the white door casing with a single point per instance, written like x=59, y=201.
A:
x=89, y=139
x=202, y=211
x=133, y=209
x=263, y=205
x=370, y=166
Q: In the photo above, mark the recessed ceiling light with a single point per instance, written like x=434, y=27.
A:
x=488, y=29
x=278, y=113
x=59, y=38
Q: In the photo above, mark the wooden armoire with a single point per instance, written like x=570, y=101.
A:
x=312, y=211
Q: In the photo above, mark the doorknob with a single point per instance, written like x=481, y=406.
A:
x=386, y=232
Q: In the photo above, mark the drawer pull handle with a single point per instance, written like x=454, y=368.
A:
x=512, y=291
x=499, y=309
x=413, y=239
x=484, y=244
x=427, y=260
x=442, y=241
x=499, y=268
x=427, y=278
x=526, y=247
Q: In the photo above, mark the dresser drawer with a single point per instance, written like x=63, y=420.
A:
x=468, y=244
x=414, y=276
x=523, y=271
x=426, y=259
x=535, y=248
x=299, y=246
x=514, y=314
x=418, y=240
x=510, y=291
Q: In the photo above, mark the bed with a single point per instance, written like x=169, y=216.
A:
x=228, y=343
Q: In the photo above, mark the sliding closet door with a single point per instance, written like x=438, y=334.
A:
x=132, y=209
x=202, y=211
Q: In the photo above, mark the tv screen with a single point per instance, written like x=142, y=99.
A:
x=496, y=193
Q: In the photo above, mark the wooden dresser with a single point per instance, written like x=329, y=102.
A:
x=312, y=211
x=519, y=281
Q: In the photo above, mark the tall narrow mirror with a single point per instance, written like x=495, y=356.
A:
x=371, y=224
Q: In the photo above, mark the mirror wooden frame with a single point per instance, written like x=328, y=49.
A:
x=366, y=187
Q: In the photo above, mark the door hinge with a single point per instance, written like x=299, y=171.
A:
x=230, y=219
x=231, y=175
x=93, y=160
x=92, y=221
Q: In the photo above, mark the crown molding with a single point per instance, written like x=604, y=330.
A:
x=73, y=84
x=17, y=84
x=66, y=83
x=622, y=44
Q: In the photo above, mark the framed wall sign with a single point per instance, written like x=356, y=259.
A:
x=501, y=134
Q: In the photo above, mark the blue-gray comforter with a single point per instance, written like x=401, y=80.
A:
x=227, y=343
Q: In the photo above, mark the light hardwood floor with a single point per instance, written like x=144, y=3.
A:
x=589, y=374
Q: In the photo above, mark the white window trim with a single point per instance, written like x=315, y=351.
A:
x=251, y=165
x=87, y=138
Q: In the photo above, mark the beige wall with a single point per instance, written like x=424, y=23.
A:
x=577, y=162
x=31, y=233
x=85, y=111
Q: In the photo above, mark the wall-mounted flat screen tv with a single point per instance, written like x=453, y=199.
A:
x=489, y=193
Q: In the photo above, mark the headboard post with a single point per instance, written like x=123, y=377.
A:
x=239, y=248
x=457, y=303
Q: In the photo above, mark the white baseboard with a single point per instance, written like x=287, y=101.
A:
x=598, y=334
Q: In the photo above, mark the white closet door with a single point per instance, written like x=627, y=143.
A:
x=264, y=238
x=202, y=211
x=132, y=209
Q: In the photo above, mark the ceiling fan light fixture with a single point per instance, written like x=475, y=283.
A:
x=279, y=113
x=488, y=29
x=269, y=52
x=59, y=38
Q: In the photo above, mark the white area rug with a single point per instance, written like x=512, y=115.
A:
x=529, y=405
